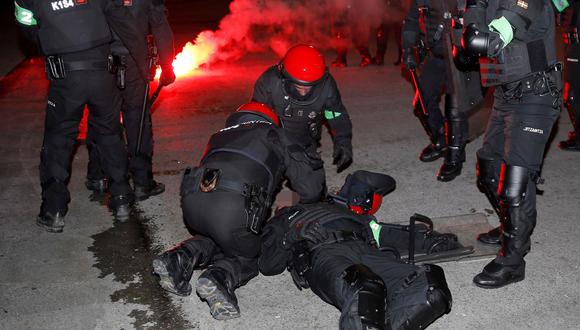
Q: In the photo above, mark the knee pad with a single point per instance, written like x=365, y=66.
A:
x=514, y=183
x=488, y=169
x=438, y=300
x=372, y=295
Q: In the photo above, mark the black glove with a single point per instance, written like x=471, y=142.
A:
x=481, y=43
x=409, y=58
x=342, y=157
x=167, y=76
x=312, y=232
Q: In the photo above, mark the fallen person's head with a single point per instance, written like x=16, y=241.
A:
x=364, y=191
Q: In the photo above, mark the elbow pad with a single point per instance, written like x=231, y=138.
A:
x=481, y=43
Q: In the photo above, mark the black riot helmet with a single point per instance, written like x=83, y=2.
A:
x=364, y=190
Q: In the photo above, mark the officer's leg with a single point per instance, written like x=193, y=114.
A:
x=527, y=133
x=382, y=39
x=431, y=84
x=96, y=180
x=417, y=297
x=457, y=131
x=140, y=164
x=66, y=99
x=573, y=105
x=489, y=162
x=365, y=307
x=217, y=284
x=338, y=277
x=397, y=31
x=104, y=106
x=488, y=170
x=361, y=43
x=175, y=266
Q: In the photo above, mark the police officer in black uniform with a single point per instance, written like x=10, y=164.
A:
x=152, y=17
x=460, y=83
x=517, y=36
x=225, y=201
x=573, y=78
x=351, y=261
x=392, y=23
x=304, y=95
x=75, y=36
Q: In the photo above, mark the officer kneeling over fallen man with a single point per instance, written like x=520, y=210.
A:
x=350, y=260
x=226, y=200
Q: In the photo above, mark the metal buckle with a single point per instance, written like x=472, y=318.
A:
x=209, y=180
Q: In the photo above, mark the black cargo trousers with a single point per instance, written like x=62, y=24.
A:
x=140, y=164
x=66, y=101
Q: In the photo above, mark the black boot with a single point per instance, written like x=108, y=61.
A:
x=365, y=56
x=435, y=150
x=449, y=171
x=99, y=186
x=215, y=287
x=518, y=202
x=456, y=141
x=495, y=275
x=152, y=189
x=121, y=207
x=491, y=237
x=175, y=268
x=572, y=144
x=52, y=223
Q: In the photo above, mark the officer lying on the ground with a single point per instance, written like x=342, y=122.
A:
x=226, y=200
x=351, y=261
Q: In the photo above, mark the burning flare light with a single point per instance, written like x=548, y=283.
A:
x=194, y=55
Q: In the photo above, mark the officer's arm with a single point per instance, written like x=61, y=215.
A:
x=262, y=90
x=125, y=25
x=302, y=169
x=337, y=117
x=410, y=30
x=162, y=31
x=512, y=21
x=25, y=19
x=274, y=257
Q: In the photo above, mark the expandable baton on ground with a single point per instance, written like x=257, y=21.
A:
x=421, y=111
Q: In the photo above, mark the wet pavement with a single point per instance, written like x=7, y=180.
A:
x=97, y=273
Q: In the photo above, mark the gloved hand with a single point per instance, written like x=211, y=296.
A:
x=409, y=58
x=312, y=232
x=342, y=157
x=167, y=76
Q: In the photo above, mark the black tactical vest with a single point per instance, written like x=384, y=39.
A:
x=249, y=140
x=301, y=119
x=67, y=26
x=436, y=13
x=331, y=216
x=528, y=53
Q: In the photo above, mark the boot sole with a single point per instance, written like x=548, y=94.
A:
x=447, y=178
x=511, y=281
x=50, y=229
x=220, y=307
x=160, y=269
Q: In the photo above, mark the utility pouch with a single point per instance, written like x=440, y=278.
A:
x=300, y=264
x=190, y=181
x=117, y=65
x=54, y=67
x=257, y=206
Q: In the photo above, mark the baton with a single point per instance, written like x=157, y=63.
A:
x=142, y=119
x=418, y=91
x=155, y=95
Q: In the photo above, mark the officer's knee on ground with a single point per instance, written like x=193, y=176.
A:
x=371, y=292
x=437, y=300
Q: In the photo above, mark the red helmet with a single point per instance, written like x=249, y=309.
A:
x=304, y=65
x=364, y=191
x=253, y=111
